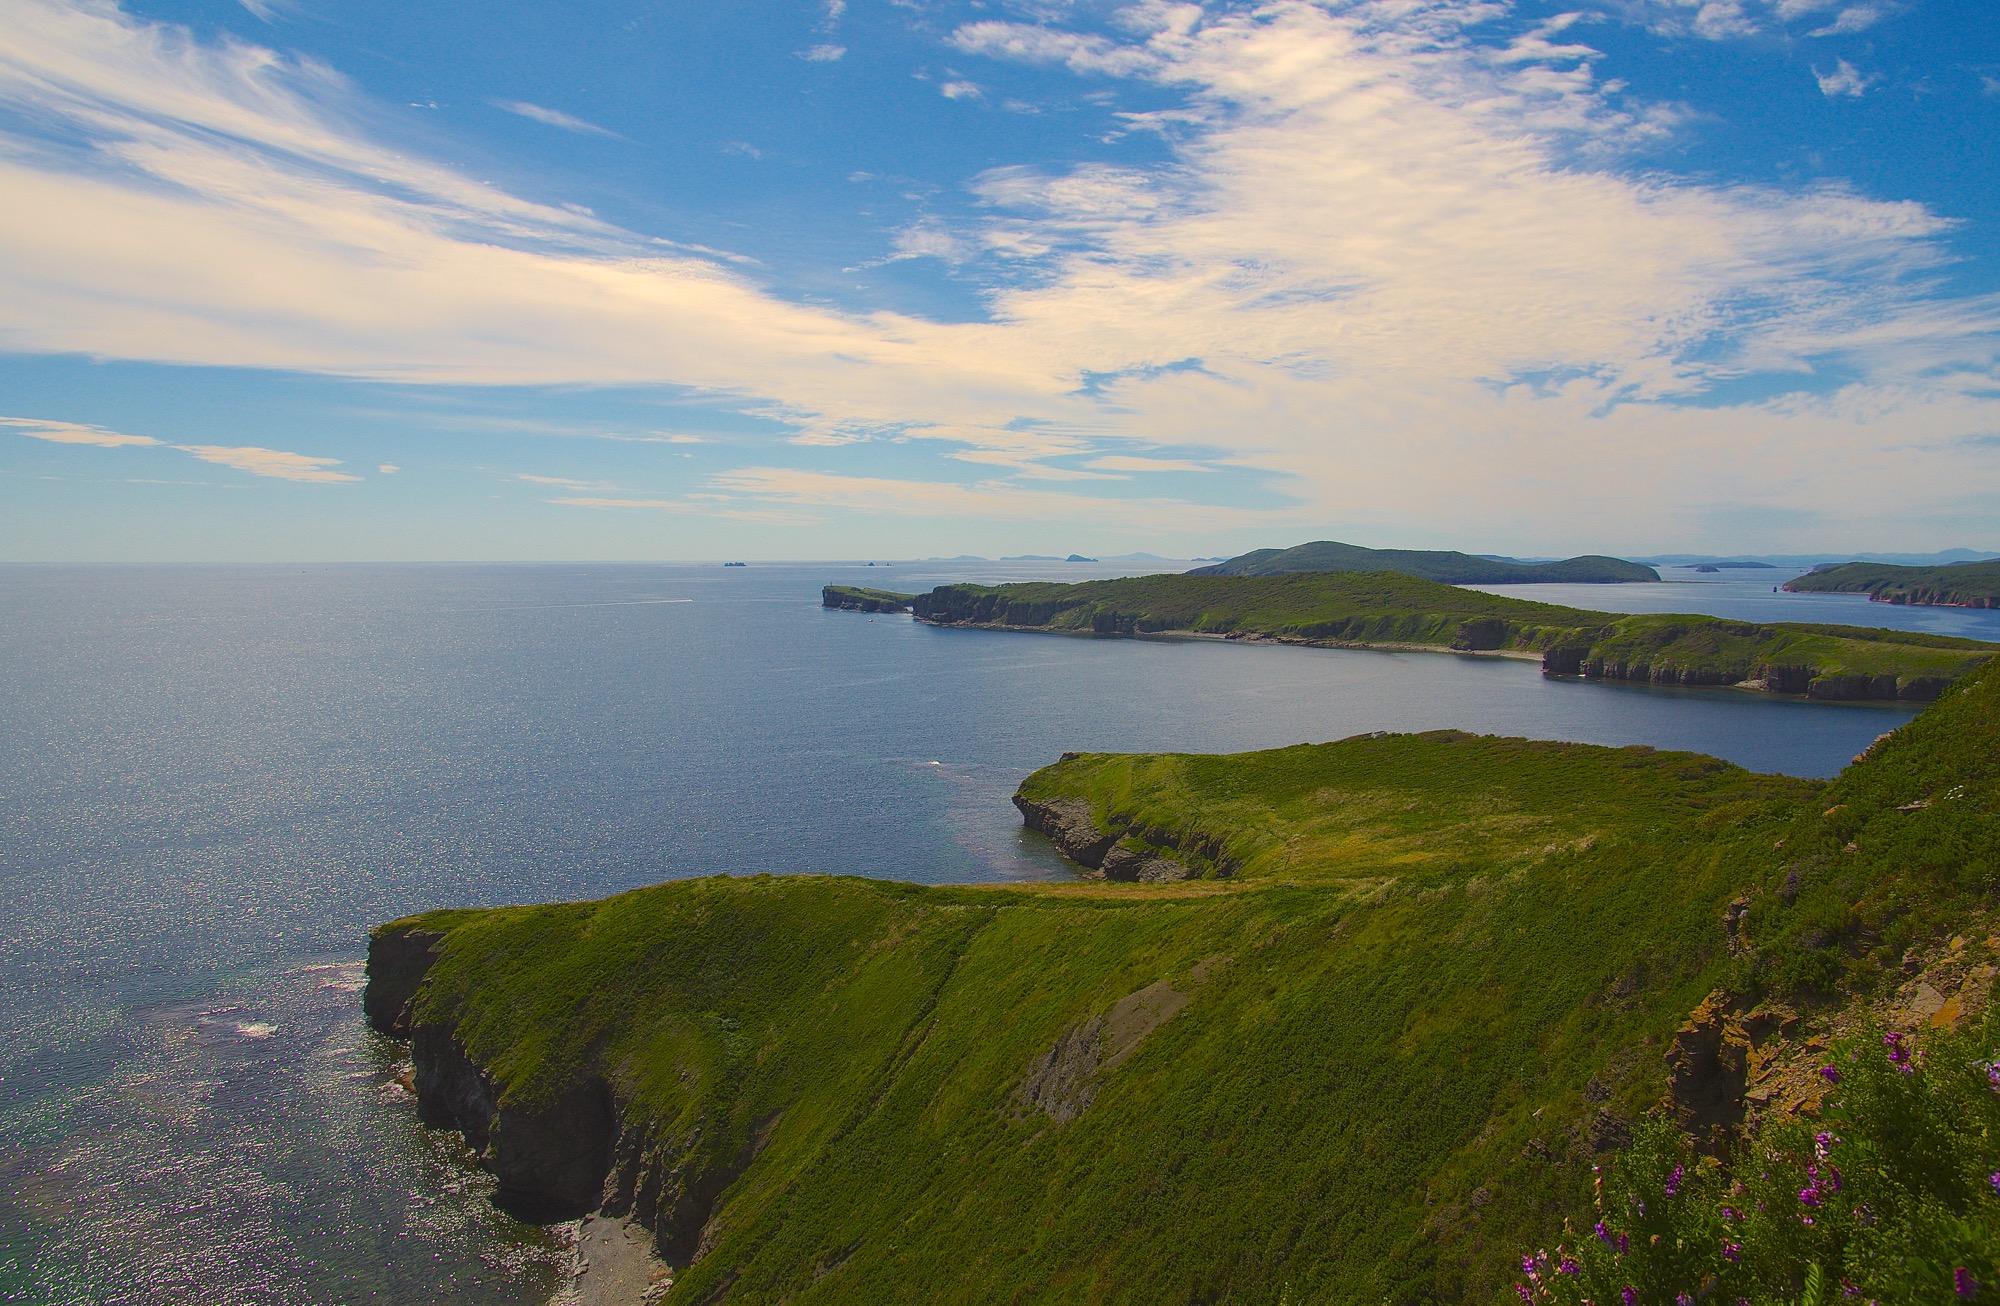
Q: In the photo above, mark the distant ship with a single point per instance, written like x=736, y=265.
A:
x=735, y=564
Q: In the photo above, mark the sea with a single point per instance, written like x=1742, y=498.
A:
x=215, y=780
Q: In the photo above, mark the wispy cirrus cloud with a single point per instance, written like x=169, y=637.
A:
x=555, y=118
x=1398, y=270
x=73, y=433
x=274, y=463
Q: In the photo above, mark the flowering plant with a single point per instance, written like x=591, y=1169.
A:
x=1891, y=1196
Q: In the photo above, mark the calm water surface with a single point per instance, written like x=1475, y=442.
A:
x=213, y=781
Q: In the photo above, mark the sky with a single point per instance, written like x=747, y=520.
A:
x=330, y=280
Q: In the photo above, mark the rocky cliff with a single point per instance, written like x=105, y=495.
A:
x=556, y=1159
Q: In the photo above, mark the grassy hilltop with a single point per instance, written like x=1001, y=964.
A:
x=1964, y=585
x=1391, y=610
x=1422, y=985
x=1431, y=564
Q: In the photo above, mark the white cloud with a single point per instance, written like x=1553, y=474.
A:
x=583, y=501
x=275, y=463
x=823, y=53
x=1856, y=18
x=256, y=461
x=73, y=433
x=960, y=90
x=1395, y=270
x=388, y=469
x=928, y=239
x=1134, y=463
x=1843, y=80
x=1077, y=51
x=555, y=118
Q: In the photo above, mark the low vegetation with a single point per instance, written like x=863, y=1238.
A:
x=1964, y=585
x=1426, y=985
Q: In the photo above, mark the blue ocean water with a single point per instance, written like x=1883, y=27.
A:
x=214, y=780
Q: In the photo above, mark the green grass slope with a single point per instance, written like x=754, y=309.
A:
x=1965, y=585
x=1388, y=609
x=1431, y=564
x=1393, y=1041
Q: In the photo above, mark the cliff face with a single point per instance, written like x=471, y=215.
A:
x=551, y=1161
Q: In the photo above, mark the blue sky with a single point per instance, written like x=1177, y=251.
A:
x=303, y=279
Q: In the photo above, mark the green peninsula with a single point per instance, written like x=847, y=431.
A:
x=1431, y=564
x=854, y=598
x=1408, y=992
x=1394, y=611
x=1961, y=585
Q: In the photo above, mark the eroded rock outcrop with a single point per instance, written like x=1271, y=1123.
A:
x=1062, y=1082
x=1127, y=852
x=1069, y=826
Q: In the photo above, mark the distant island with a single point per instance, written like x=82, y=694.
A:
x=1386, y=610
x=1366, y=1021
x=1959, y=585
x=1450, y=567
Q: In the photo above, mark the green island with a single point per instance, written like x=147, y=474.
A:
x=1431, y=564
x=1356, y=1022
x=1388, y=610
x=1961, y=585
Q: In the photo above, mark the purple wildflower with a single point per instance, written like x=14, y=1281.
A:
x=1674, y=1181
x=1994, y=1179
x=1604, y=1235
x=1730, y=1213
x=1682, y=1299
x=1630, y=1295
x=1823, y=1142
x=1964, y=1284
x=1624, y=1244
x=1993, y=1076
x=1526, y=1293
x=1899, y=1053
x=1832, y=1076
x=1732, y=1251
x=1568, y=1267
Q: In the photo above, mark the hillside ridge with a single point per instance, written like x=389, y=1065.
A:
x=1431, y=980
x=1448, y=566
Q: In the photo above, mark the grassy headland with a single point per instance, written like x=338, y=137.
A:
x=1390, y=610
x=1436, y=985
x=1431, y=564
x=1962, y=585
x=855, y=598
